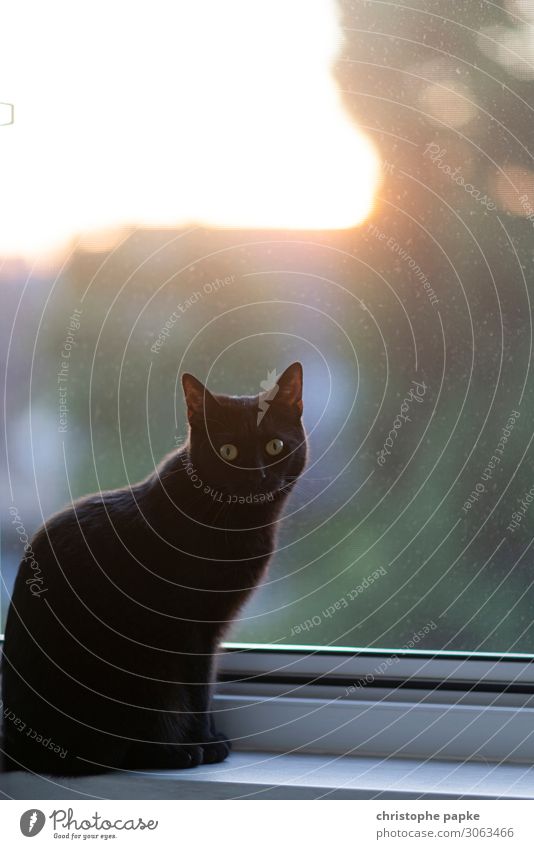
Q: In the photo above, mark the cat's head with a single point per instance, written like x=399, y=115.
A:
x=247, y=445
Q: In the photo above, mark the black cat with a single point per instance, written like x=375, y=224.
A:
x=108, y=658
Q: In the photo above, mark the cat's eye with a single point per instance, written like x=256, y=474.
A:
x=228, y=452
x=274, y=447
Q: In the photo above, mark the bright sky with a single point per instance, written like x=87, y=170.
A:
x=170, y=113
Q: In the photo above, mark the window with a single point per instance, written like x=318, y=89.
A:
x=411, y=529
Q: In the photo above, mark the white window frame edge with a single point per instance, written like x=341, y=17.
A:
x=472, y=718
x=243, y=659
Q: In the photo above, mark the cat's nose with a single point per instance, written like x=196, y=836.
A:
x=258, y=475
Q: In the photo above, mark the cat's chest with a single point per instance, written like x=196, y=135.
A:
x=225, y=566
x=235, y=544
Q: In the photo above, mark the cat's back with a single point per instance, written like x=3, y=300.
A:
x=87, y=522
x=73, y=556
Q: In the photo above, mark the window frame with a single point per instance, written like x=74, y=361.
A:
x=412, y=704
x=422, y=705
x=314, y=664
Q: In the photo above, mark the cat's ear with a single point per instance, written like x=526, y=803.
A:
x=197, y=398
x=290, y=389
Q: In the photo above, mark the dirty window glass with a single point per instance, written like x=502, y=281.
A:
x=351, y=186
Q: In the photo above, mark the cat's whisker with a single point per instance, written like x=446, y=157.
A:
x=304, y=477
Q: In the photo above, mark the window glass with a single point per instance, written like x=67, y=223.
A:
x=199, y=221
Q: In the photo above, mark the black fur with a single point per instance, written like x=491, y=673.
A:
x=110, y=655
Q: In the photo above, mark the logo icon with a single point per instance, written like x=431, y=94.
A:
x=31, y=822
x=270, y=388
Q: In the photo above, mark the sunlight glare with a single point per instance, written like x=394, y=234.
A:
x=165, y=114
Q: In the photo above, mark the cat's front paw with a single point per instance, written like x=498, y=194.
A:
x=190, y=756
x=216, y=749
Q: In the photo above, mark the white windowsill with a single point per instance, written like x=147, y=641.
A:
x=368, y=777
x=260, y=775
